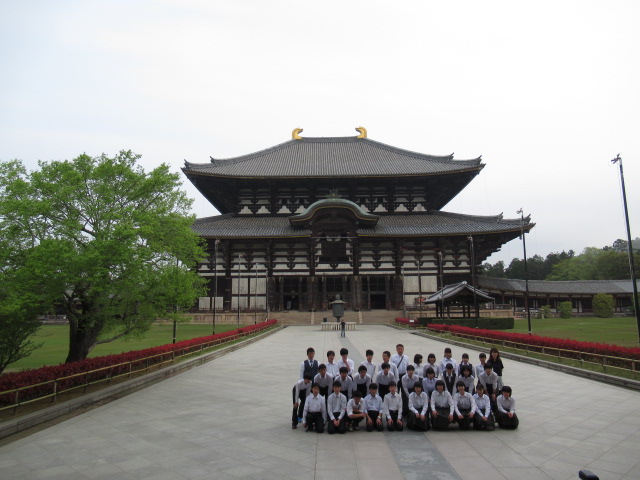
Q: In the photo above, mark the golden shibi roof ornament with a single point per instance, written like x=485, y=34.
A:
x=363, y=132
x=295, y=135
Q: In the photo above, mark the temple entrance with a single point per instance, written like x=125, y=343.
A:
x=334, y=286
x=291, y=293
x=375, y=290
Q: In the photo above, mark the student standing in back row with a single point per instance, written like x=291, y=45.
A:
x=371, y=367
x=310, y=365
x=496, y=362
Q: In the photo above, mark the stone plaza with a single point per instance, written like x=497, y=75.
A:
x=230, y=418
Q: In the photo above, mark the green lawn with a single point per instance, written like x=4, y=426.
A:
x=56, y=343
x=617, y=330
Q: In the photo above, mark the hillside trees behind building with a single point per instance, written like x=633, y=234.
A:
x=110, y=245
x=607, y=263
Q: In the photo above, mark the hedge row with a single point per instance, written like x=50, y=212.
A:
x=491, y=323
x=119, y=363
x=549, y=342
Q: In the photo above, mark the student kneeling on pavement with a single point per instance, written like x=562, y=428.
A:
x=337, y=410
x=315, y=411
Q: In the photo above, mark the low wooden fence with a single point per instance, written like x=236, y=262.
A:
x=38, y=391
x=605, y=361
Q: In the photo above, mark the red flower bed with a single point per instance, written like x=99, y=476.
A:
x=403, y=321
x=119, y=363
x=550, y=342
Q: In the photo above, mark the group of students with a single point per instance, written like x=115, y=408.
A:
x=338, y=395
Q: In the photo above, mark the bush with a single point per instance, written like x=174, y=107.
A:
x=565, y=309
x=545, y=311
x=603, y=305
x=535, y=340
x=492, y=323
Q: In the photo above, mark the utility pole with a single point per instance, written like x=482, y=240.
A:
x=632, y=268
x=473, y=278
x=215, y=282
x=238, y=316
x=526, y=271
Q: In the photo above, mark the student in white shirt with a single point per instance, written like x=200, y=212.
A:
x=464, y=406
x=345, y=361
x=418, y=410
x=480, y=367
x=429, y=382
x=465, y=363
x=355, y=411
x=300, y=392
x=483, y=419
x=337, y=411
x=431, y=362
x=393, y=409
x=448, y=358
x=332, y=368
x=418, y=365
x=371, y=367
x=490, y=381
x=361, y=381
x=409, y=380
x=315, y=411
x=323, y=380
x=441, y=407
x=506, y=415
x=400, y=360
x=467, y=379
x=374, y=408
x=386, y=358
x=384, y=378
x=345, y=381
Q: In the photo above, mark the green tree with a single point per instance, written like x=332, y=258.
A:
x=603, y=305
x=19, y=289
x=594, y=264
x=496, y=270
x=111, y=244
x=565, y=310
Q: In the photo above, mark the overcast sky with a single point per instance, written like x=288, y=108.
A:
x=547, y=92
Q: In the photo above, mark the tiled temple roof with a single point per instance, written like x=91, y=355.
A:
x=587, y=287
x=423, y=224
x=332, y=157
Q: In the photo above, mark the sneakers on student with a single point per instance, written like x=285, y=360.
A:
x=356, y=427
x=350, y=428
x=294, y=426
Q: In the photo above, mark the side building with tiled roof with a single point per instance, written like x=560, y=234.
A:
x=313, y=218
x=580, y=293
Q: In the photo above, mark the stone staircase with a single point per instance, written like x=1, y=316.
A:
x=377, y=317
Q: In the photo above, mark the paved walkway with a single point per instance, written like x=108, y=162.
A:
x=230, y=419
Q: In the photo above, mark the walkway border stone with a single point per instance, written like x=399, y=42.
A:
x=121, y=389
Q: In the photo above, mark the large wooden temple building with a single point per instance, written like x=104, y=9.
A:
x=313, y=218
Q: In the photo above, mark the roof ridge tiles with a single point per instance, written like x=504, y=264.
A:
x=409, y=153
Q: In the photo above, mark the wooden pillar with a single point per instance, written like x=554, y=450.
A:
x=323, y=292
x=280, y=286
x=345, y=289
x=312, y=292
x=356, y=292
x=302, y=299
x=398, y=301
x=271, y=293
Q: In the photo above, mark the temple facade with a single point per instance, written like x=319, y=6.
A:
x=313, y=218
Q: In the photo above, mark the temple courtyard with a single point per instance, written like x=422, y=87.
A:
x=230, y=418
